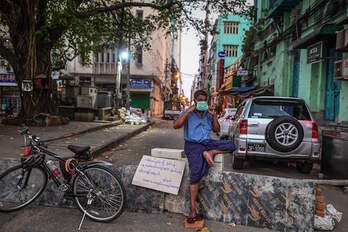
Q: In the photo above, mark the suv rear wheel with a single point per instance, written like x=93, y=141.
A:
x=284, y=134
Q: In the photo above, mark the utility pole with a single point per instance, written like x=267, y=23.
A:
x=128, y=76
x=206, y=37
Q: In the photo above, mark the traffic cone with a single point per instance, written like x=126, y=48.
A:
x=320, y=205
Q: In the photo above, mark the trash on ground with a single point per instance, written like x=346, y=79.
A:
x=335, y=214
x=324, y=223
x=134, y=117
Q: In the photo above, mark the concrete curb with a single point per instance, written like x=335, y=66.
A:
x=92, y=129
x=96, y=151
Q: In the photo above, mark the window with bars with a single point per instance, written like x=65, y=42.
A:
x=231, y=50
x=140, y=14
x=231, y=27
x=139, y=55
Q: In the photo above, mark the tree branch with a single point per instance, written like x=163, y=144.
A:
x=122, y=5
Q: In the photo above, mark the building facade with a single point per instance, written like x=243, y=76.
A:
x=229, y=37
x=300, y=44
x=148, y=72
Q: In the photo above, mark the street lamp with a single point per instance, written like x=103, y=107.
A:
x=124, y=58
x=124, y=55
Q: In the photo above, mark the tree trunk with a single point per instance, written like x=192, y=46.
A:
x=40, y=100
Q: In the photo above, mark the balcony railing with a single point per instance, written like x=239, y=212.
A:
x=277, y=7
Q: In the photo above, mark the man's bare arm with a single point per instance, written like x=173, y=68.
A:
x=180, y=122
x=216, y=124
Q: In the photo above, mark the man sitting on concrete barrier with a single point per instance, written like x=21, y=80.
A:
x=198, y=121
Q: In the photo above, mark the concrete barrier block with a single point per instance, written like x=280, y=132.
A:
x=167, y=153
x=140, y=199
x=224, y=161
x=179, y=203
x=260, y=201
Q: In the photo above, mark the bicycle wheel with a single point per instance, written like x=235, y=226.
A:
x=19, y=187
x=100, y=193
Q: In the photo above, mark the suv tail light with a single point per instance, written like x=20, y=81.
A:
x=243, y=127
x=27, y=150
x=315, y=132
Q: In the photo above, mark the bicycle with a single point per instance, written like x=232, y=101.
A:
x=97, y=191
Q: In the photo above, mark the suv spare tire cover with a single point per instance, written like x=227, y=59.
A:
x=284, y=134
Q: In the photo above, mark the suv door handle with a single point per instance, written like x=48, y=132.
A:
x=253, y=123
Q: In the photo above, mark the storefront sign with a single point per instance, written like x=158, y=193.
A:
x=222, y=54
x=242, y=73
x=314, y=53
x=164, y=175
x=7, y=79
x=140, y=84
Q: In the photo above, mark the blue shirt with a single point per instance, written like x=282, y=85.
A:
x=197, y=128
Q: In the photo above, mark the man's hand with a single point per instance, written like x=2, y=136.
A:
x=181, y=120
x=211, y=110
x=191, y=109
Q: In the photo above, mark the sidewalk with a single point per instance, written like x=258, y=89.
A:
x=84, y=133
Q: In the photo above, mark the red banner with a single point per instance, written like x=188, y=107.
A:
x=221, y=72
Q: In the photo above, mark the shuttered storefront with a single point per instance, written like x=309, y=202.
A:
x=140, y=100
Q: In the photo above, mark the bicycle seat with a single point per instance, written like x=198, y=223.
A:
x=78, y=149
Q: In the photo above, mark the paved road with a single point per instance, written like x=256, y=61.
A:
x=161, y=134
x=44, y=219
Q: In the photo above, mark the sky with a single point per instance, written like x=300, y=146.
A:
x=190, y=54
x=189, y=59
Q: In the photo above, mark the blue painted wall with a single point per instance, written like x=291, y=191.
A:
x=232, y=39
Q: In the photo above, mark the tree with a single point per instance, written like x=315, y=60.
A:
x=38, y=36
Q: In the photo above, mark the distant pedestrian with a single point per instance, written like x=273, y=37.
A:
x=198, y=121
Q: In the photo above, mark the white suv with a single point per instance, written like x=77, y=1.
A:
x=275, y=128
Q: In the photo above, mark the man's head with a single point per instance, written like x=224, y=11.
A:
x=201, y=98
x=200, y=95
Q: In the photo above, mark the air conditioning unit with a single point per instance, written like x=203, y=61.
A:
x=341, y=70
x=342, y=41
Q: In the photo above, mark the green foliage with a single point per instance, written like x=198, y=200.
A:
x=70, y=28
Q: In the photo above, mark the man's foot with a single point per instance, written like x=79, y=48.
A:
x=194, y=217
x=209, y=158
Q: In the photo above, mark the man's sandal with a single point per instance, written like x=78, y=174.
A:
x=191, y=220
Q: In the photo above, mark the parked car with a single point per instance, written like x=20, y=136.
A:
x=280, y=128
x=225, y=121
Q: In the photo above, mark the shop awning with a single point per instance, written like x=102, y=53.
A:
x=242, y=90
x=325, y=32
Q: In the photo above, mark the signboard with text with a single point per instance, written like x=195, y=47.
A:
x=140, y=84
x=163, y=175
x=314, y=53
x=242, y=73
x=222, y=54
x=7, y=79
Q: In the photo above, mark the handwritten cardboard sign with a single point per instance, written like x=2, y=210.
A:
x=164, y=175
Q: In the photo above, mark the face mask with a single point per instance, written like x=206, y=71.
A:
x=202, y=106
